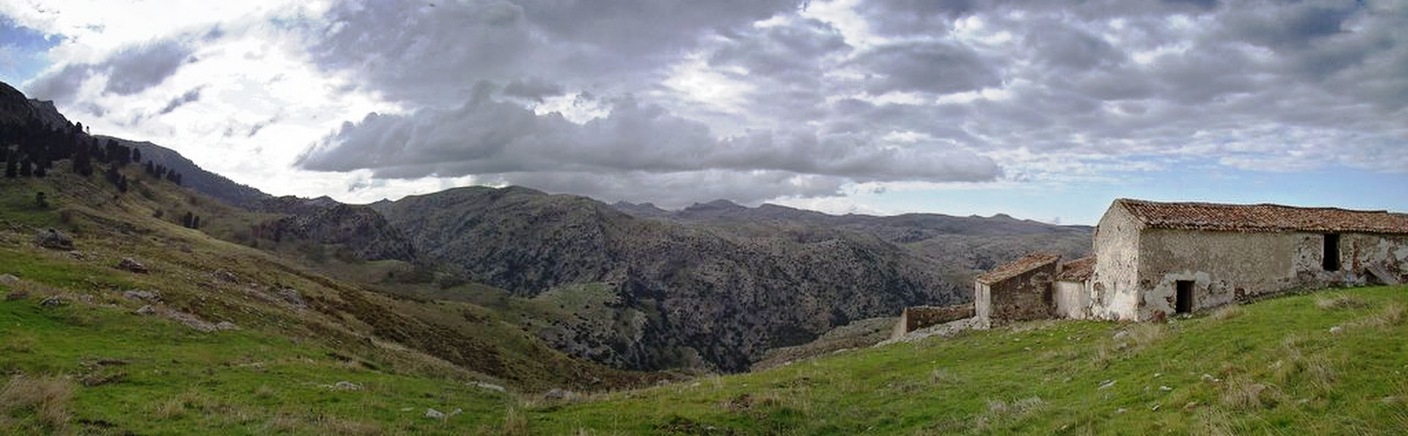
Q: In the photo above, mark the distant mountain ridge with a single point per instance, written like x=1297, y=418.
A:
x=713, y=285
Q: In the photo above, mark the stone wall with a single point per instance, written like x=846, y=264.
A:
x=1025, y=297
x=915, y=318
x=1073, y=299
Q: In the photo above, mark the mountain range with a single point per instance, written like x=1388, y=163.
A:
x=713, y=286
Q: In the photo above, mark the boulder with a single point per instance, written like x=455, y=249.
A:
x=54, y=240
x=434, y=414
x=293, y=298
x=148, y=296
x=9, y=280
x=146, y=310
x=558, y=394
x=225, y=276
x=51, y=301
x=132, y=265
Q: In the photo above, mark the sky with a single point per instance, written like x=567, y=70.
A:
x=1040, y=110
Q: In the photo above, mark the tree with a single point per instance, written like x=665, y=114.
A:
x=40, y=200
x=187, y=219
x=195, y=222
x=26, y=167
x=11, y=167
x=136, y=155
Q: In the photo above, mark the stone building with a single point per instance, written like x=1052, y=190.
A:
x=1154, y=260
x=1017, y=291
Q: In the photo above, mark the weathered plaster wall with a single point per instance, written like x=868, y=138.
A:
x=1073, y=299
x=1229, y=266
x=982, y=305
x=1025, y=297
x=1113, y=290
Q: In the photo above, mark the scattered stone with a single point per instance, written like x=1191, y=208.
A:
x=9, y=280
x=92, y=380
x=52, y=301
x=1155, y=408
x=148, y=296
x=226, y=325
x=489, y=386
x=1121, y=410
x=1336, y=330
x=1210, y=378
x=292, y=297
x=1191, y=405
x=407, y=409
x=53, y=240
x=558, y=394
x=1121, y=334
x=225, y=276
x=1165, y=388
x=145, y=310
x=1158, y=374
x=77, y=255
x=132, y=265
x=1107, y=384
x=345, y=385
x=434, y=414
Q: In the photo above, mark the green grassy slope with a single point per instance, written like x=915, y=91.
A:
x=1272, y=367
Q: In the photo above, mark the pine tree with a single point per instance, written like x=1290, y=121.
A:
x=195, y=222
x=187, y=219
x=136, y=155
x=11, y=167
x=26, y=167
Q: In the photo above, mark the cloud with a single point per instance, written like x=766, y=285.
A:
x=486, y=136
x=188, y=97
x=128, y=71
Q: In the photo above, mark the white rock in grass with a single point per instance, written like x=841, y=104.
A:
x=434, y=414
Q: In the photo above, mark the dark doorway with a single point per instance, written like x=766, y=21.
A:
x=1331, y=260
x=1183, y=302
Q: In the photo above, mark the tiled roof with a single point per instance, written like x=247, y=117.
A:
x=1262, y=217
x=1077, y=270
x=1017, y=267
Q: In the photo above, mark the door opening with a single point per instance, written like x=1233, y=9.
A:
x=1183, y=301
x=1331, y=260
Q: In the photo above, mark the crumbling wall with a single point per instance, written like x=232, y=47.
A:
x=918, y=317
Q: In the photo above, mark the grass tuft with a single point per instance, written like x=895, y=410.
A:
x=1340, y=301
x=1243, y=393
x=1228, y=312
x=47, y=398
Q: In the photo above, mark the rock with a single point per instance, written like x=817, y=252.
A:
x=1191, y=405
x=226, y=325
x=1107, y=384
x=1121, y=410
x=52, y=301
x=9, y=280
x=16, y=295
x=489, y=386
x=77, y=255
x=1165, y=388
x=346, y=386
x=293, y=298
x=148, y=296
x=434, y=414
x=558, y=394
x=1336, y=330
x=146, y=310
x=53, y=240
x=225, y=276
x=132, y=265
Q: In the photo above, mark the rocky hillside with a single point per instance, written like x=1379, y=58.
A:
x=195, y=177
x=358, y=230
x=704, y=296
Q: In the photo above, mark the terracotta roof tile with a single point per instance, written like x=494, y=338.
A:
x=1262, y=217
x=1077, y=270
x=1017, y=267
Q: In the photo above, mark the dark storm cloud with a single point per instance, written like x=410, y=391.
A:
x=129, y=71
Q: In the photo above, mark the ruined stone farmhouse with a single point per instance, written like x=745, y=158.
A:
x=1153, y=260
